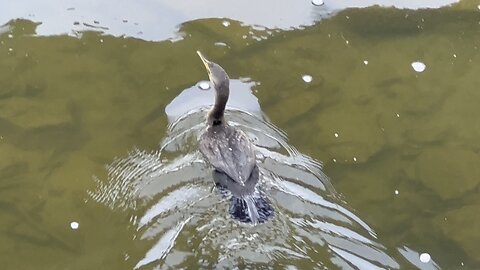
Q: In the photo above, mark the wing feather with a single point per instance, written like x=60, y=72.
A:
x=230, y=151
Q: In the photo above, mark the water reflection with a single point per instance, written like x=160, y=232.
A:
x=159, y=20
x=184, y=218
x=202, y=94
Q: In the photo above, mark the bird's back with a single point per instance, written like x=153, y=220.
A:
x=228, y=150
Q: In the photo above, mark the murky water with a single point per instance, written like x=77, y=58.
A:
x=100, y=164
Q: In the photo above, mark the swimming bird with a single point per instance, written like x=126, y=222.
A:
x=232, y=154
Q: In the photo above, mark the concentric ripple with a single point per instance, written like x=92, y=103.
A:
x=185, y=221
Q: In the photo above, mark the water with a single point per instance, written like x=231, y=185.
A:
x=96, y=172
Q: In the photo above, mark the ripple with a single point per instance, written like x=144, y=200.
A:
x=177, y=210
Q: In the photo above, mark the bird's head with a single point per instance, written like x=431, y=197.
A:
x=216, y=73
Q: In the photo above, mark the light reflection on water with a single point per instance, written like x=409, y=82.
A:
x=142, y=18
x=182, y=216
x=392, y=139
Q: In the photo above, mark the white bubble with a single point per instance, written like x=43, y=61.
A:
x=425, y=257
x=354, y=159
x=365, y=62
x=396, y=192
x=334, y=160
x=101, y=40
x=318, y=2
x=10, y=49
x=221, y=44
x=204, y=85
x=74, y=225
x=307, y=78
x=418, y=66
x=454, y=55
x=10, y=36
x=398, y=115
x=336, y=135
x=226, y=23
x=478, y=6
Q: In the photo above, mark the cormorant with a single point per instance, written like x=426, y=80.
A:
x=232, y=155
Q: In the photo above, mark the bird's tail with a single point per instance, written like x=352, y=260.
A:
x=252, y=208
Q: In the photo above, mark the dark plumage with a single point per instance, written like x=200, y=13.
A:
x=229, y=151
x=232, y=155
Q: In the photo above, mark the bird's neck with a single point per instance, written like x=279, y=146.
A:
x=215, y=116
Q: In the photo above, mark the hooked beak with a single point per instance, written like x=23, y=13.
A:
x=205, y=62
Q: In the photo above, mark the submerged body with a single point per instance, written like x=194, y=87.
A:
x=232, y=155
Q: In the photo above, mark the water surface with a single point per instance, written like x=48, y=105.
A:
x=400, y=147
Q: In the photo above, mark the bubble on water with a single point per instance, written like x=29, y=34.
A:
x=334, y=160
x=101, y=40
x=204, y=85
x=418, y=66
x=318, y=2
x=396, y=192
x=398, y=115
x=74, y=225
x=307, y=78
x=10, y=36
x=354, y=159
x=478, y=6
x=365, y=62
x=336, y=135
x=10, y=49
x=425, y=257
x=226, y=23
x=221, y=44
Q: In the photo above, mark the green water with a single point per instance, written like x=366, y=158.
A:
x=71, y=105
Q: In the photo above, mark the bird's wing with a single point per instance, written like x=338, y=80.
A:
x=230, y=151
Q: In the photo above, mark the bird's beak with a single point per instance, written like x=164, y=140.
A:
x=205, y=61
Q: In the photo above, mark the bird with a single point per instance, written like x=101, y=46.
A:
x=232, y=155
